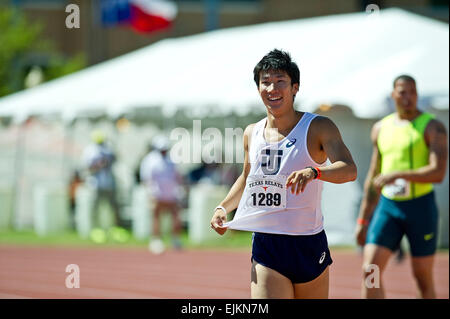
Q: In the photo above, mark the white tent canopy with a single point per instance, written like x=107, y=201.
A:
x=348, y=59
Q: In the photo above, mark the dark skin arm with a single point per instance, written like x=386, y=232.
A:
x=371, y=193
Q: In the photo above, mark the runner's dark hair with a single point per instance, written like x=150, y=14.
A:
x=404, y=77
x=277, y=60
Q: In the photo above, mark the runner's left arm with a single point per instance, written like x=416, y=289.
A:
x=343, y=168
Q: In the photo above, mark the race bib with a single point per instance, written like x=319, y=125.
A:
x=266, y=191
x=399, y=188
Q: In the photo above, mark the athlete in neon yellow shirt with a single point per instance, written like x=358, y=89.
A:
x=409, y=154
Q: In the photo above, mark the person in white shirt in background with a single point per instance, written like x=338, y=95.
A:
x=163, y=183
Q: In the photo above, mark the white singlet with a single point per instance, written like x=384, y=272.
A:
x=159, y=174
x=266, y=205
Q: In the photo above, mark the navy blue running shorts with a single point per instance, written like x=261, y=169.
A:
x=300, y=258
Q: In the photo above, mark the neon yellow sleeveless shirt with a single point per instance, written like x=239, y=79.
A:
x=403, y=147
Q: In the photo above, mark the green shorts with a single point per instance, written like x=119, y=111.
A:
x=416, y=218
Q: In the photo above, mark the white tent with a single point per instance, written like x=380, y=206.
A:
x=348, y=59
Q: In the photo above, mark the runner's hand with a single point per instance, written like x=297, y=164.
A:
x=299, y=179
x=217, y=221
x=383, y=179
x=361, y=234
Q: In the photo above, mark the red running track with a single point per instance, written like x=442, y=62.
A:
x=40, y=272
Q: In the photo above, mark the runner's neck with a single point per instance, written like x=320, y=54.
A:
x=408, y=117
x=285, y=123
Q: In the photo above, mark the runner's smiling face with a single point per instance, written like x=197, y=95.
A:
x=276, y=90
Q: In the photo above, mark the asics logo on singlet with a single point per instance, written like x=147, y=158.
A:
x=291, y=142
x=322, y=258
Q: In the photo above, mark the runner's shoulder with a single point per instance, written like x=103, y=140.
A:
x=322, y=124
x=436, y=125
x=320, y=120
x=248, y=135
x=249, y=129
x=375, y=131
x=435, y=130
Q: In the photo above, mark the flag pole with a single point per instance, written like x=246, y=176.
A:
x=212, y=14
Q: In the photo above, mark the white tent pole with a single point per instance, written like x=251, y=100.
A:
x=66, y=162
x=18, y=169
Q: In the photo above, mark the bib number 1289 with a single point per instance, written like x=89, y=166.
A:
x=266, y=199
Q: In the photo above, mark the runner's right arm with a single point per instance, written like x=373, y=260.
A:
x=233, y=197
x=371, y=194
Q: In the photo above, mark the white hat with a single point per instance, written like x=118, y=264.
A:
x=161, y=143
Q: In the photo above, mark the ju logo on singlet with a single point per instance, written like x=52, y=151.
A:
x=270, y=161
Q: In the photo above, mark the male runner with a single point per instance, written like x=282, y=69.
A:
x=409, y=154
x=278, y=194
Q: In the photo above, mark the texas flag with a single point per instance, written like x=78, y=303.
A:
x=141, y=15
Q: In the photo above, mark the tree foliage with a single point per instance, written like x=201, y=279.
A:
x=22, y=45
